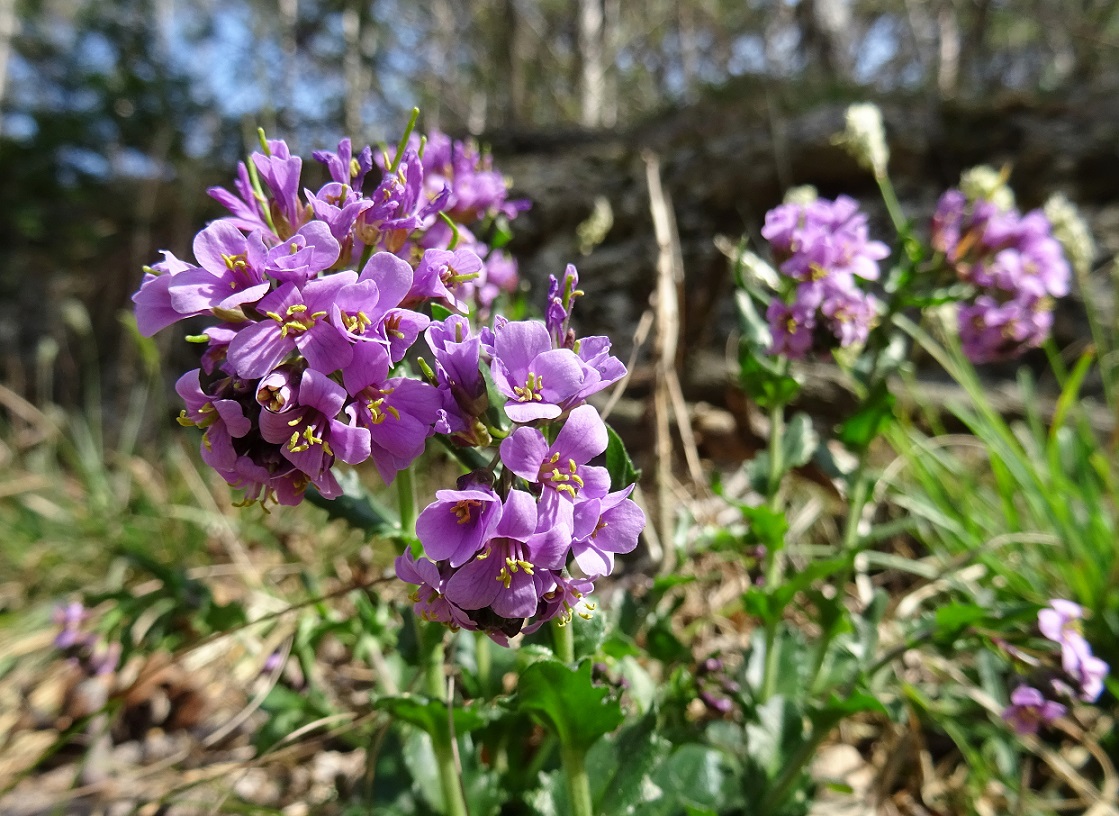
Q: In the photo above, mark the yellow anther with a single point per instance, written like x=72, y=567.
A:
x=462, y=509
x=530, y=390
x=356, y=323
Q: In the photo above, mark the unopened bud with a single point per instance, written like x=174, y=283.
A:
x=1070, y=229
x=986, y=183
x=865, y=137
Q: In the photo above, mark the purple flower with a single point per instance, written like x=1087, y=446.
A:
x=69, y=619
x=297, y=319
x=991, y=330
x=230, y=272
x=603, y=527
x=850, y=314
x=311, y=250
x=220, y=420
x=792, y=326
x=563, y=598
x=397, y=206
x=561, y=299
x=445, y=275
x=502, y=577
x=247, y=211
x=310, y=434
x=430, y=602
x=561, y=468
x=362, y=309
x=539, y=381
x=399, y=413
x=344, y=167
x=1059, y=621
x=280, y=170
x=279, y=390
x=457, y=352
x=154, y=308
x=457, y=524
x=1083, y=667
x=1029, y=709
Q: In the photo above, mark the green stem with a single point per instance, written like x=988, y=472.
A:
x=406, y=498
x=431, y=642
x=483, y=662
x=776, y=454
x=901, y=225
x=578, y=783
x=860, y=493
x=784, y=783
x=774, y=571
x=563, y=638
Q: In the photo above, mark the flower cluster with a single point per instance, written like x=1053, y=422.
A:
x=306, y=367
x=1081, y=676
x=506, y=552
x=1014, y=265
x=318, y=295
x=823, y=251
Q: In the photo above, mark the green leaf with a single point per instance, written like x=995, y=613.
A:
x=953, y=619
x=701, y=778
x=626, y=762
x=567, y=702
x=775, y=736
x=356, y=508
x=800, y=441
x=861, y=428
x=755, y=328
x=837, y=708
x=764, y=380
x=431, y=715
x=618, y=464
x=767, y=525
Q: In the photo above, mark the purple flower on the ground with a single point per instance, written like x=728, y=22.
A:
x=69, y=619
x=1060, y=623
x=1084, y=667
x=1029, y=709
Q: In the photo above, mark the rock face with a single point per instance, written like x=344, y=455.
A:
x=726, y=161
